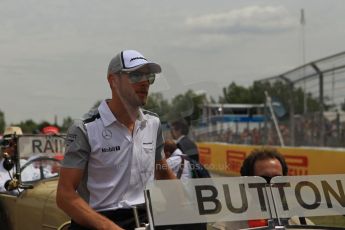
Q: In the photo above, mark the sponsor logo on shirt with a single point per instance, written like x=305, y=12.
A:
x=107, y=134
x=111, y=149
x=70, y=139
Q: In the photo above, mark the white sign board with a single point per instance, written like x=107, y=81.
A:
x=208, y=200
x=319, y=195
x=245, y=198
x=29, y=145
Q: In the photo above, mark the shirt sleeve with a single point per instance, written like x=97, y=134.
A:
x=174, y=163
x=77, y=147
x=159, y=144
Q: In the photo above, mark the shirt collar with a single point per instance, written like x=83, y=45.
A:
x=108, y=117
x=177, y=152
x=180, y=138
x=141, y=115
x=142, y=118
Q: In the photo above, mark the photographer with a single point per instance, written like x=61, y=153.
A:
x=7, y=150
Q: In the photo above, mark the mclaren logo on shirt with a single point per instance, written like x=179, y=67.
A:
x=111, y=149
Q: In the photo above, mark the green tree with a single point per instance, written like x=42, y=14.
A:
x=235, y=94
x=343, y=105
x=157, y=104
x=2, y=122
x=28, y=126
x=66, y=123
x=255, y=94
x=281, y=91
x=187, y=106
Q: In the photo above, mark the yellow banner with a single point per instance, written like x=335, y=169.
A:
x=228, y=159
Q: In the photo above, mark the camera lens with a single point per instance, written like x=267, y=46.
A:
x=4, y=143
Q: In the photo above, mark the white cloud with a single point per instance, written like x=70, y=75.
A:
x=251, y=19
x=204, y=43
x=54, y=53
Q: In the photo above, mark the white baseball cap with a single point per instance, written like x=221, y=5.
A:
x=131, y=60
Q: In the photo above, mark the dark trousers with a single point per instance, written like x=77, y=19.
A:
x=182, y=227
x=125, y=219
x=122, y=217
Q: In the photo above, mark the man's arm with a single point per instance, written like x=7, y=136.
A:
x=163, y=171
x=71, y=203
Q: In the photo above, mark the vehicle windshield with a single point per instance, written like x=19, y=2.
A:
x=40, y=156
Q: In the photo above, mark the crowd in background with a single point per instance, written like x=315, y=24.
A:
x=307, y=133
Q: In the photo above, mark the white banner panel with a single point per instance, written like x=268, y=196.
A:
x=320, y=195
x=208, y=200
x=28, y=145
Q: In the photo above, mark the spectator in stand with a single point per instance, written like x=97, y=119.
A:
x=179, y=131
x=7, y=151
x=246, y=137
x=255, y=136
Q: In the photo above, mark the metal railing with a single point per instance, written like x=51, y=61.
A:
x=322, y=82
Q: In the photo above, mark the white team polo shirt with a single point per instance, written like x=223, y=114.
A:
x=174, y=162
x=117, y=165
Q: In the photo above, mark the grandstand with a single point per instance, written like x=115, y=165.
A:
x=324, y=81
x=321, y=81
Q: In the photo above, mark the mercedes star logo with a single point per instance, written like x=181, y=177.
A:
x=106, y=134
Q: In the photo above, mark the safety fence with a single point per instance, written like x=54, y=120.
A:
x=313, y=96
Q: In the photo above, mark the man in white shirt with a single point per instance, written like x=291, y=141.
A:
x=174, y=160
x=112, y=154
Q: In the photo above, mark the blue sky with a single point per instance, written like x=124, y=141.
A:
x=54, y=54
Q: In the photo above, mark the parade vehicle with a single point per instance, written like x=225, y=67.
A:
x=220, y=202
x=29, y=200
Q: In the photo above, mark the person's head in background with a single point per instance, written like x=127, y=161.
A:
x=50, y=130
x=8, y=144
x=169, y=147
x=265, y=162
x=179, y=128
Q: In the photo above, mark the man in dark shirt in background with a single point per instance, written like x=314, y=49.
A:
x=179, y=131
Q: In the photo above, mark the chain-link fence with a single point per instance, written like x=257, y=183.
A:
x=321, y=121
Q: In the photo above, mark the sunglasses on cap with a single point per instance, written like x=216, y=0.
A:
x=136, y=77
